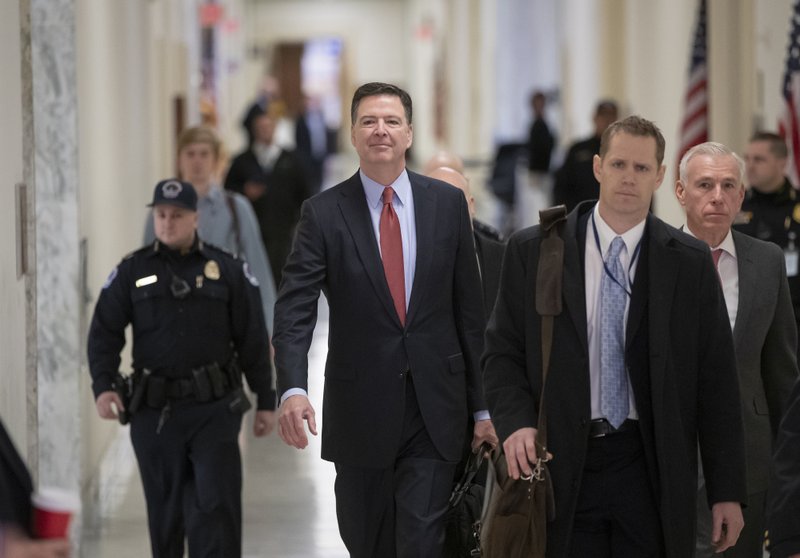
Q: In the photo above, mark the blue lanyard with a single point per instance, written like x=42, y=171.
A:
x=605, y=267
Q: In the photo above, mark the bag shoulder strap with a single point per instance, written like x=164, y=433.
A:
x=237, y=233
x=549, y=279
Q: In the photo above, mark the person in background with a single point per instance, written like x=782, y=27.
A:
x=443, y=158
x=534, y=189
x=540, y=139
x=642, y=367
x=274, y=181
x=393, y=252
x=488, y=246
x=197, y=322
x=575, y=181
x=753, y=279
x=16, y=512
x=489, y=251
x=453, y=163
x=784, y=505
x=313, y=141
x=225, y=219
x=771, y=207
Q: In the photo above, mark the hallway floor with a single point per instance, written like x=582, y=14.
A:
x=287, y=500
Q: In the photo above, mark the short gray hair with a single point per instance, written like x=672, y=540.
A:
x=714, y=149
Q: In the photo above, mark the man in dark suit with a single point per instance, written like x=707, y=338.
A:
x=784, y=506
x=313, y=141
x=488, y=246
x=575, y=181
x=275, y=183
x=753, y=278
x=642, y=365
x=393, y=253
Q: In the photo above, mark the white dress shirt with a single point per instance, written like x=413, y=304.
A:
x=593, y=264
x=728, y=269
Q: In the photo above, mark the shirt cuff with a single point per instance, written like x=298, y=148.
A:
x=481, y=415
x=292, y=391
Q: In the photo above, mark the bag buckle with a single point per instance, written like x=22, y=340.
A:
x=538, y=471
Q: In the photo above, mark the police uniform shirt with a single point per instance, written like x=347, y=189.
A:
x=186, y=310
x=215, y=226
x=773, y=217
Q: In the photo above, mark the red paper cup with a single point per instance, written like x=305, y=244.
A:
x=52, y=510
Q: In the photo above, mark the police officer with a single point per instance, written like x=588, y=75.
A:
x=196, y=317
x=771, y=207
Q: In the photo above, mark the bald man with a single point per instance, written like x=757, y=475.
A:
x=446, y=159
x=488, y=246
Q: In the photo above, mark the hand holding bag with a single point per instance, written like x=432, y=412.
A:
x=516, y=523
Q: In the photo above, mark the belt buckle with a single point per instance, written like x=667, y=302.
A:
x=606, y=430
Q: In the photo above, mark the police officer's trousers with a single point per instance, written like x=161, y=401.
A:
x=192, y=477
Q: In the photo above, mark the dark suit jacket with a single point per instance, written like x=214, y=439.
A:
x=278, y=210
x=15, y=485
x=490, y=258
x=764, y=338
x=784, y=508
x=679, y=355
x=369, y=351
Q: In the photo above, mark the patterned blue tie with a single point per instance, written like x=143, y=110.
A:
x=613, y=380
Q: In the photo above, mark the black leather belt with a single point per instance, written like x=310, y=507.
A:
x=599, y=428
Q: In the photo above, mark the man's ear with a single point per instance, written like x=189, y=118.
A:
x=680, y=192
x=597, y=166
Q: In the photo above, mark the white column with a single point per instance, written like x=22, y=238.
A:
x=52, y=170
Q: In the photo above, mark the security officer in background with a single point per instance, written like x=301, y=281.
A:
x=771, y=207
x=196, y=317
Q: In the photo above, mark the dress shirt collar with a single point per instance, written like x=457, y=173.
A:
x=728, y=246
x=606, y=234
x=374, y=190
x=266, y=154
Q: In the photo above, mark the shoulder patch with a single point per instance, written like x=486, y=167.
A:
x=250, y=277
x=111, y=277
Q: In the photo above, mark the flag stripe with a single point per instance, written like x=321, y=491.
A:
x=694, y=127
x=788, y=124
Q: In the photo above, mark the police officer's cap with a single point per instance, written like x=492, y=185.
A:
x=175, y=192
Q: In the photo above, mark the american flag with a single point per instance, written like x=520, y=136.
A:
x=788, y=124
x=694, y=129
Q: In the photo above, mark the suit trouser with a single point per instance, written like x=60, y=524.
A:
x=751, y=539
x=192, y=477
x=616, y=515
x=398, y=511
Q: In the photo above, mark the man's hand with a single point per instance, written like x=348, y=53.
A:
x=727, y=523
x=520, y=452
x=18, y=545
x=294, y=411
x=109, y=405
x=263, y=423
x=483, y=432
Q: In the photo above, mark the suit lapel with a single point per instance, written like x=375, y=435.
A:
x=748, y=279
x=353, y=205
x=425, y=217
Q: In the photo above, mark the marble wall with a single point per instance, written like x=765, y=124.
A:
x=51, y=156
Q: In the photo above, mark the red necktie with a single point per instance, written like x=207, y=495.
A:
x=715, y=255
x=392, y=254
